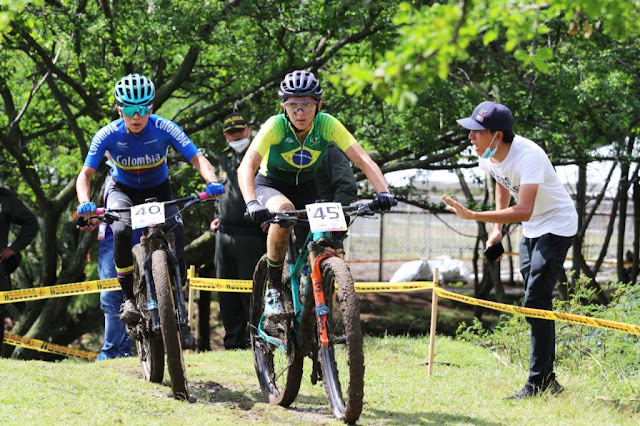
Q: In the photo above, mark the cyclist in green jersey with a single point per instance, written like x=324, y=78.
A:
x=287, y=150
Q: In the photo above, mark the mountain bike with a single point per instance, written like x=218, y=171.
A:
x=158, y=290
x=324, y=320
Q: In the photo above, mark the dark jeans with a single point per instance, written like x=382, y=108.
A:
x=236, y=257
x=116, y=341
x=541, y=264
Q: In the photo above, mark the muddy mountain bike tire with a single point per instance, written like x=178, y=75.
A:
x=149, y=347
x=279, y=372
x=342, y=360
x=168, y=323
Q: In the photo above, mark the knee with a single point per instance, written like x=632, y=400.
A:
x=285, y=206
x=121, y=232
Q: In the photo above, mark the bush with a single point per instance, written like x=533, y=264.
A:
x=612, y=357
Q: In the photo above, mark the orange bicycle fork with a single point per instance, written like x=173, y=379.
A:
x=321, y=309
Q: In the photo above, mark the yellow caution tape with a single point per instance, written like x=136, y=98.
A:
x=366, y=287
x=245, y=286
x=218, y=284
x=540, y=313
x=61, y=290
x=41, y=346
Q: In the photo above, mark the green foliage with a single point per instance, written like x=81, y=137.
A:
x=612, y=356
x=432, y=38
x=8, y=9
x=397, y=74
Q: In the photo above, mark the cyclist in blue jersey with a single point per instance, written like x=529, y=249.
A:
x=138, y=143
x=288, y=150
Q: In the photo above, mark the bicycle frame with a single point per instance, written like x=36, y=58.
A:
x=154, y=238
x=314, y=260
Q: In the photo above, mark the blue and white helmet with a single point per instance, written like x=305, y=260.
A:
x=134, y=89
x=300, y=83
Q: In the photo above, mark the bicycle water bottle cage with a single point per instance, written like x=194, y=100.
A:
x=322, y=310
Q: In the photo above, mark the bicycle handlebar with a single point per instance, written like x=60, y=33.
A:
x=202, y=196
x=363, y=209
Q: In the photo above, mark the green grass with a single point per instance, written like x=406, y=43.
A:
x=467, y=388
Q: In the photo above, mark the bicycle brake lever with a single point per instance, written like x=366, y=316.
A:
x=110, y=217
x=365, y=210
x=283, y=220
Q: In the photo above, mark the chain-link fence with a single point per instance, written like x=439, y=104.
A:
x=379, y=245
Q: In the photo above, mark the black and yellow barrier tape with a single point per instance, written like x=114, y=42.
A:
x=39, y=345
x=539, y=313
x=386, y=287
x=61, y=290
x=219, y=284
x=245, y=286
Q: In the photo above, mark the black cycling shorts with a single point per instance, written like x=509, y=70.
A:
x=300, y=195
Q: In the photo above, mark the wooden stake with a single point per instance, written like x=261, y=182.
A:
x=434, y=317
x=190, y=274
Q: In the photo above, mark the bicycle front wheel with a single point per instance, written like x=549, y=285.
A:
x=343, y=359
x=150, y=347
x=278, y=365
x=167, y=314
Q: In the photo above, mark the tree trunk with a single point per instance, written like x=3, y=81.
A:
x=578, y=241
x=633, y=275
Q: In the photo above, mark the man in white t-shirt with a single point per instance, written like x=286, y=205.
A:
x=549, y=221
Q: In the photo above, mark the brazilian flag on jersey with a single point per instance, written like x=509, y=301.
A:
x=284, y=158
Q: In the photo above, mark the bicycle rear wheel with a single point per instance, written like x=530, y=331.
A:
x=168, y=323
x=343, y=359
x=279, y=370
x=149, y=347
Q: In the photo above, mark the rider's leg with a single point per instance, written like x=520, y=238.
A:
x=277, y=242
x=123, y=259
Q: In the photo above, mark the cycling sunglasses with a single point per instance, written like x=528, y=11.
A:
x=141, y=110
x=293, y=106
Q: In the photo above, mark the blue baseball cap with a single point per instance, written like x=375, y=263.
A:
x=489, y=116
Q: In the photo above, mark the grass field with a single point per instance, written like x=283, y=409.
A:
x=467, y=388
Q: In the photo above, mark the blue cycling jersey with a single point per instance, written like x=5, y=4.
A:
x=140, y=159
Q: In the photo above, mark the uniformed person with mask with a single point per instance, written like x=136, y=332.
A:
x=12, y=211
x=239, y=242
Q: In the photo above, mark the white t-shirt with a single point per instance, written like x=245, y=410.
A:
x=526, y=163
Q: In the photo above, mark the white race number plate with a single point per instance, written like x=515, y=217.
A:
x=326, y=217
x=148, y=214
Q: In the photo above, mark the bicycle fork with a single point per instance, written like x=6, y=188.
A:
x=152, y=299
x=321, y=308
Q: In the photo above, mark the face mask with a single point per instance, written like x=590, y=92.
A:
x=488, y=153
x=240, y=145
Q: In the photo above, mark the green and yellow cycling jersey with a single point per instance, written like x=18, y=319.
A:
x=284, y=158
